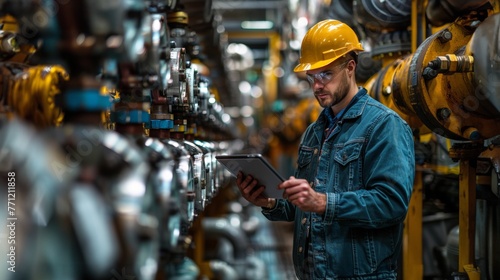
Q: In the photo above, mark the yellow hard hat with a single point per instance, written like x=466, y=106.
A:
x=324, y=43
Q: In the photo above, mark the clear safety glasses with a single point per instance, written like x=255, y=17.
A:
x=326, y=76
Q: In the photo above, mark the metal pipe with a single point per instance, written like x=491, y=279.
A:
x=440, y=12
x=392, y=13
x=223, y=271
x=220, y=227
x=485, y=47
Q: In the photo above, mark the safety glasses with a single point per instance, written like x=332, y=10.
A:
x=326, y=76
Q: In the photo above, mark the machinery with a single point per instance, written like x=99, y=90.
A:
x=443, y=82
x=112, y=113
x=119, y=102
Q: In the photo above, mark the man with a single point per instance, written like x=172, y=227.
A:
x=355, y=169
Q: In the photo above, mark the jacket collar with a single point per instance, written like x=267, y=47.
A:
x=357, y=105
x=353, y=110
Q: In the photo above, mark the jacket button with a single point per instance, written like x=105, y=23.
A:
x=300, y=249
x=315, y=151
x=304, y=220
x=344, y=157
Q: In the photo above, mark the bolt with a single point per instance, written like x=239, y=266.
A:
x=387, y=90
x=445, y=36
x=471, y=133
x=429, y=73
x=443, y=114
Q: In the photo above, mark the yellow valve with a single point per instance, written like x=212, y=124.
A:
x=32, y=92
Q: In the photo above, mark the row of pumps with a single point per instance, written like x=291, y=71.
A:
x=108, y=138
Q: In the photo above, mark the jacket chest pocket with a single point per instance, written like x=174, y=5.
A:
x=305, y=162
x=348, y=165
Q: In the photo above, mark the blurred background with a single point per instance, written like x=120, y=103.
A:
x=112, y=114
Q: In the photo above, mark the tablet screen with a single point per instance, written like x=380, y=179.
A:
x=257, y=166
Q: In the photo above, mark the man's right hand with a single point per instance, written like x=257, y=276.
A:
x=253, y=192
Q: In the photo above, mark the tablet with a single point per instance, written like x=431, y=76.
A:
x=257, y=166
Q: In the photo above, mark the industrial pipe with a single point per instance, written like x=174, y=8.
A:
x=220, y=227
x=440, y=12
x=223, y=270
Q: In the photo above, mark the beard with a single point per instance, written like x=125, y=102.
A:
x=338, y=95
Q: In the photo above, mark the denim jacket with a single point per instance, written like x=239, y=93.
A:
x=366, y=168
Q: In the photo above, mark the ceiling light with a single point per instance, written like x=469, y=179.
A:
x=258, y=24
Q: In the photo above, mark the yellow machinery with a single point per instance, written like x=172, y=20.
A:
x=28, y=90
x=31, y=93
x=449, y=86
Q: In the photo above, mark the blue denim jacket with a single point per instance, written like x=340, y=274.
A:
x=366, y=167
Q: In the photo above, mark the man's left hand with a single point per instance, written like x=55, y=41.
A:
x=301, y=194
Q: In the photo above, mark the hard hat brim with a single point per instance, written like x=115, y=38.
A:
x=301, y=67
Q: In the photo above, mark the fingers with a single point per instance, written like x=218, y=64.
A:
x=296, y=189
x=239, y=178
x=286, y=194
x=256, y=192
x=291, y=182
x=289, y=195
x=242, y=181
x=248, y=187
